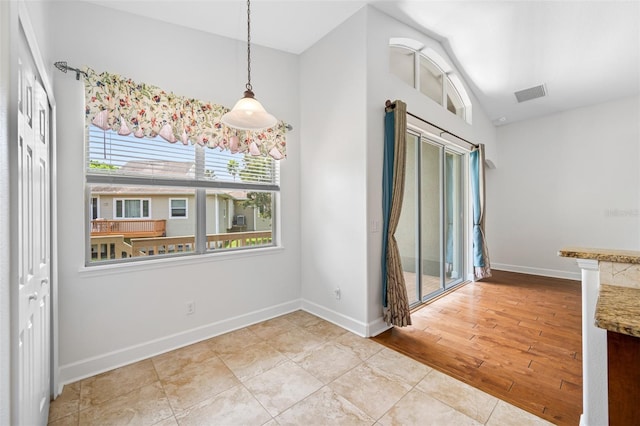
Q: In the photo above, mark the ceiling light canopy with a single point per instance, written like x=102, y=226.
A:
x=248, y=113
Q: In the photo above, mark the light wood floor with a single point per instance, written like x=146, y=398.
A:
x=515, y=336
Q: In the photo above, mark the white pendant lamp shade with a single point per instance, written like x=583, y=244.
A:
x=248, y=114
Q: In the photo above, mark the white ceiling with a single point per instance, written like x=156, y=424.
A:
x=585, y=52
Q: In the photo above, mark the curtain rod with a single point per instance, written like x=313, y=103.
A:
x=392, y=105
x=62, y=66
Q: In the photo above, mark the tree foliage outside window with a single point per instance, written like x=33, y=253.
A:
x=261, y=201
x=257, y=169
x=232, y=168
x=95, y=164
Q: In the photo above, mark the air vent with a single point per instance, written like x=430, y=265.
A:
x=530, y=93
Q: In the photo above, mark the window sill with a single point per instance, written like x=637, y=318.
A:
x=168, y=262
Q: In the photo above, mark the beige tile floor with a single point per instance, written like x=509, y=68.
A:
x=296, y=369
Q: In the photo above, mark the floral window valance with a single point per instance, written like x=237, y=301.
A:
x=127, y=107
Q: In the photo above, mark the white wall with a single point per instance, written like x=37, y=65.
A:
x=37, y=11
x=114, y=316
x=334, y=186
x=568, y=179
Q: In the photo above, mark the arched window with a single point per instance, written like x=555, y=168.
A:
x=425, y=70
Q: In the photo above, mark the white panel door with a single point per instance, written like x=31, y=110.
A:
x=34, y=244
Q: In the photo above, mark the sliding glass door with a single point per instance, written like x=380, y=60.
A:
x=430, y=234
x=453, y=219
x=428, y=228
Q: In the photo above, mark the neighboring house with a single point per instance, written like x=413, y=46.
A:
x=131, y=220
x=227, y=211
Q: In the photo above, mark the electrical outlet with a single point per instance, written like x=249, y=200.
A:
x=337, y=293
x=191, y=308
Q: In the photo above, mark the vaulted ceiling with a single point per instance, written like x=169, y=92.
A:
x=584, y=52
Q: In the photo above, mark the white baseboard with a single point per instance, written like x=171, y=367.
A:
x=337, y=318
x=357, y=327
x=537, y=271
x=378, y=326
x=78, y=370
x=89, y=367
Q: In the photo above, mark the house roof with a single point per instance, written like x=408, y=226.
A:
x=121, y=190
x=178, y=169
x=159, y=167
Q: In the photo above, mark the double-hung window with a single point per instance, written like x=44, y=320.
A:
x=178, y=208
x=165, y=177
x=162, y=199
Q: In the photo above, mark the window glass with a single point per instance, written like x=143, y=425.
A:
x=239, y=219
x=144, y=185
x=454, y=102
x=94, y=212
x=401, y=63
x=430, y=80
x=131, y=208
x=406, y=234
x=140, y=227
x=178, y=208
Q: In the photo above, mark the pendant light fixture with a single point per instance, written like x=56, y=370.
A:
x=248, y=113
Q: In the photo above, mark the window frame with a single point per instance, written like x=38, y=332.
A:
x=186, y=208
x=199, y=183
x=448, y=76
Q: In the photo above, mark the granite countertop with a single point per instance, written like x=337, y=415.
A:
x=618, y=309
x=606, y=255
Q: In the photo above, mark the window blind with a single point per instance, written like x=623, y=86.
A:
x=113, y=158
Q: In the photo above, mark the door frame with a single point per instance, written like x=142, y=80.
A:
x=417, y=128
x=14, y=16
x=8, y=132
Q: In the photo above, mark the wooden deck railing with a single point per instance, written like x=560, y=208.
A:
x=109, y=247
x=134, y=228
x=238, y=239
x=162, y=245
x=184, y=244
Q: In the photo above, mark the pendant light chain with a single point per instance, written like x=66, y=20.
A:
x=248, y=86
x=248, y=113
